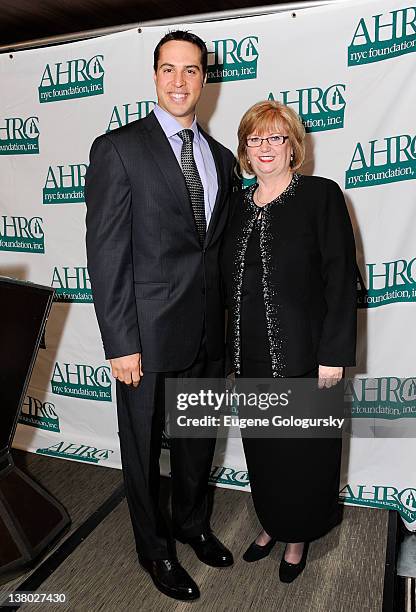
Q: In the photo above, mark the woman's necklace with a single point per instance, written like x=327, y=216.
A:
x=260, y=203
x=258, y=200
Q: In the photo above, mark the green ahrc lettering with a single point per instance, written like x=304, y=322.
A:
x=47, y=79
x=399, y=28
x=358, y=157
x=361, y=32
x=57, y=375
x=64, y=280
x=75, y=176
x=373, y=493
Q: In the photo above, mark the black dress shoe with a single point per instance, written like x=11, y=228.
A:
x=255, y=552
x=171, y=579
x=289, y=571
x=209, y=550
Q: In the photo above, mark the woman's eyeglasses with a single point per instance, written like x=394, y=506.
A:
x=256, y=141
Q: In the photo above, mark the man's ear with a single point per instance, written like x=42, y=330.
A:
x=205, y=79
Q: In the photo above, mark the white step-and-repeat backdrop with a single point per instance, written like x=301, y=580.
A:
x=348, y=68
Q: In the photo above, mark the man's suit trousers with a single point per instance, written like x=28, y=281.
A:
x=141, y=422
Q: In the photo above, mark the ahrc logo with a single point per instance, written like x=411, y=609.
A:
x=387, y=283
x=232, y=60
x=385, y=160
x=19, y=136
x=39, y=414
x=79, y=452
x=22, y=234
x=381, y=496
x=77, y=78
x=229, y=477
x=65, y=184
x=71, y=284
x=126, y=113
x=383, y=36
x=320, y=109
x=82, y=381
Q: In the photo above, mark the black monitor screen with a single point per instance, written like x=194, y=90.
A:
x=23, y=311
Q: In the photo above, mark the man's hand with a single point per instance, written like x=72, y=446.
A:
x=329, y=376
x=127, y=369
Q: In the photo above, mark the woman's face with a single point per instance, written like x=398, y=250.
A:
x=270, y=159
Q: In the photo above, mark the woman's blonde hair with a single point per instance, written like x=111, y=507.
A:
x=268, y=116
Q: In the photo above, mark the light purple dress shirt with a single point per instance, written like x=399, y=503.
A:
x=202, y=153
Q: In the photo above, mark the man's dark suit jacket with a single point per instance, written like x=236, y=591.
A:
x=153, y=283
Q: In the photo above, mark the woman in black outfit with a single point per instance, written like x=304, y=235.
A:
x=289, y=270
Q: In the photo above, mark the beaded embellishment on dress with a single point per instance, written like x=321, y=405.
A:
x=270, y=292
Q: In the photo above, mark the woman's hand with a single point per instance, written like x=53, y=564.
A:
x=329, y=376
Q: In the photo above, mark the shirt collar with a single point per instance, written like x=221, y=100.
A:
x=170, y=125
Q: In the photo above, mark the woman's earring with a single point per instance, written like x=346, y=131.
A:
x=291, y=157
x=249, y=162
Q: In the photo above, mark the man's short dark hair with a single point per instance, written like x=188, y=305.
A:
x=186, y=37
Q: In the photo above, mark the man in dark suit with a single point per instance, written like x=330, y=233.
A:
x=157, y=202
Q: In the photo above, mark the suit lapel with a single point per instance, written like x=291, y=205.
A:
x=216, y=153
x=165, y=159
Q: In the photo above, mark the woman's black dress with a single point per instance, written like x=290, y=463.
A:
x=294, y=481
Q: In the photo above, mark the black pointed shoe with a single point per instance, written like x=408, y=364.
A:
x=171, y=578
x=210, y=550
x=255, y=552
x=289, y=571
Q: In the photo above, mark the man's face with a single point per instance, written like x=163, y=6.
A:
x=179, y=79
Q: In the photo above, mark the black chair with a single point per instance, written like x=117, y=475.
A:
x=31, y=520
